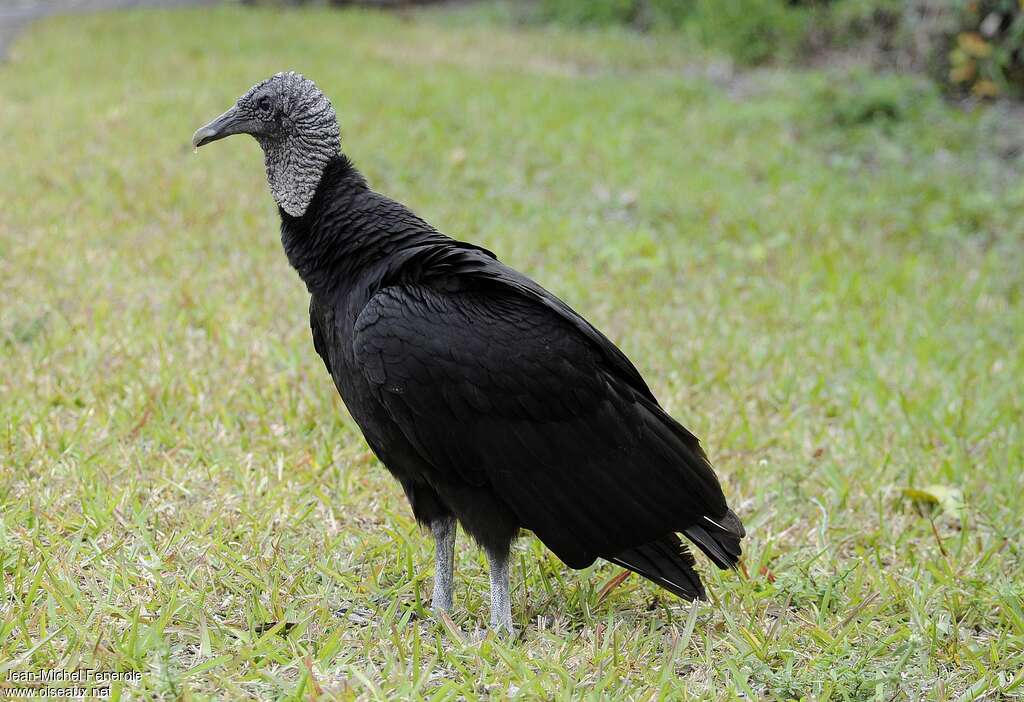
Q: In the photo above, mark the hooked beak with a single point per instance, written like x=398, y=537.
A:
x=231, y=122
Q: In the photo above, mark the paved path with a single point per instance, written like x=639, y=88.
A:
x=15, y=15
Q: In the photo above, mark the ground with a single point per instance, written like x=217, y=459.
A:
x=829, y=297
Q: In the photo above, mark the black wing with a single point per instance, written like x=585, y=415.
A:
x=319, y=320
x=500, y=384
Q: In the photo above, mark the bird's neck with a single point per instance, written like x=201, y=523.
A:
x=295, y=169
x=346, y=230
x=317, y=241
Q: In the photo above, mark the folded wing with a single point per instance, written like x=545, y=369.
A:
x=497, y=388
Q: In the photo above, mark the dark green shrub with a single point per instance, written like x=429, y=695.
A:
x=751, y=31
x=640, y=14
x=986, y=56
x=973, y=47
x=848, y=24
x=590, y=13
x=665, y=14
x=862, y=98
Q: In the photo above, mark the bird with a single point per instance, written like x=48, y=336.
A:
x=493, y=403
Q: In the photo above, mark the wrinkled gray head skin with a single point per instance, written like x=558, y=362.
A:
x=296, y=126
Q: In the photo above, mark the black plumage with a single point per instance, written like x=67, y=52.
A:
x=487, y=397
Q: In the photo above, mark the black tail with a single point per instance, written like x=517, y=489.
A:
x=719, y=538
x=667, y=562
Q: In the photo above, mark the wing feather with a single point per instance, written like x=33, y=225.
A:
x=493, y=387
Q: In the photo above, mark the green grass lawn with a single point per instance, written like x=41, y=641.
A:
x=834, y=307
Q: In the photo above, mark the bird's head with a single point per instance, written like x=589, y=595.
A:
x=296, y=126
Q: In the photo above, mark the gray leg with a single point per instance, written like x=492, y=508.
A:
x=501, y=601
x=444, y=563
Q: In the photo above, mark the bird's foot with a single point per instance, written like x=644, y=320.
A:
x=504, y=628
x=441, y=600
x=505, y=632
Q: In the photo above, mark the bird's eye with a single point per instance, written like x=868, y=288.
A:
x=264, y=104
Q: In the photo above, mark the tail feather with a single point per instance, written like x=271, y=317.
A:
x=667, y=562
x=719, y=538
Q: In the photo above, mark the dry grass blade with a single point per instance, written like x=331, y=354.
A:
x=610, y=586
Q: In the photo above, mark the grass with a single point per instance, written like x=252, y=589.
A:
x=832, y=305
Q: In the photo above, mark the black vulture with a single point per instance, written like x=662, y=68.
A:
x=491, y=401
